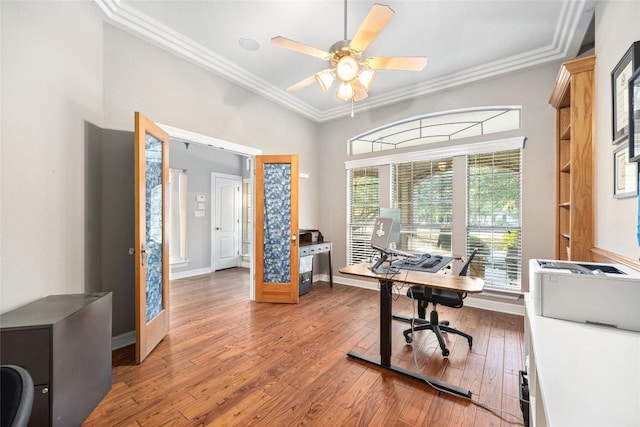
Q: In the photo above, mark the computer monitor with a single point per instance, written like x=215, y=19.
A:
x=380, y=241
x=394, y=213
x=381, y=233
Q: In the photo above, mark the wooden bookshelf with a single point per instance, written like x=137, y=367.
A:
x=573, y=99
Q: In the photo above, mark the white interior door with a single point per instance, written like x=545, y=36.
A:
x=226, y=221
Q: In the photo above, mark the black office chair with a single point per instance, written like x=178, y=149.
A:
x=16, y=390
x=425, y=296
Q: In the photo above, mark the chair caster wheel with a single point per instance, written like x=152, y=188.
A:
x=445, y=353
x=408, y=339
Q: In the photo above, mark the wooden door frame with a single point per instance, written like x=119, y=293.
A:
x=241, y=150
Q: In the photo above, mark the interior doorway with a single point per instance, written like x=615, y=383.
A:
x=234, y=153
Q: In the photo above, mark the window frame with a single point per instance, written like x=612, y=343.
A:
x=434, y=154
x=431, y=128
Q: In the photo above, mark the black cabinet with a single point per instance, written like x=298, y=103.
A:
x=64, y=341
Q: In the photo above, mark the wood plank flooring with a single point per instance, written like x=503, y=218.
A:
x=228, y=361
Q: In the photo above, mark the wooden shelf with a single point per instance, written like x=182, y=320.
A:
x=572, y=97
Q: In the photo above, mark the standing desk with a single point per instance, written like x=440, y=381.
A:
x=429, y=281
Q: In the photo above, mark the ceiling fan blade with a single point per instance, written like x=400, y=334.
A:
x=359, y=92
x=378, y=18
x=304, y=83
x=299, y=47
x=405, y=63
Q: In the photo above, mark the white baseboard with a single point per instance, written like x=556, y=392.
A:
x=321, y=278
x=499, y=306
x=190, y=273
x=123, y=340
x=471, y=301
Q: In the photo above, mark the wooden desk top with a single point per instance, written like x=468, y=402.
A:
x=433, y=280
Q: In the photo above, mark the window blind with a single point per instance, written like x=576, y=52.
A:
x=423, y=191
x=494, y=217
x=363, y=205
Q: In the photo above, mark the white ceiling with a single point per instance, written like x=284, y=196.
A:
x=464, y=41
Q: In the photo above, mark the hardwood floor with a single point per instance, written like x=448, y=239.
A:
x=230, y=361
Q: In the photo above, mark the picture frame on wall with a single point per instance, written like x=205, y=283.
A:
x=625, y=174
x=634, y=116
x=619, y=91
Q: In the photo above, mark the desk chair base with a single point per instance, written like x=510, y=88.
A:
x=409, y=319
x=438, y=327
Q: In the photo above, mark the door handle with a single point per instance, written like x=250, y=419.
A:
x=294, y=237
x=143, y=258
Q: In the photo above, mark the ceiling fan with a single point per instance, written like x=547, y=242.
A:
x=354, y=74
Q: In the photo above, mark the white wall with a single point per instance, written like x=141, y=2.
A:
x=141, y=77
x=617, y=27
x=51, y=84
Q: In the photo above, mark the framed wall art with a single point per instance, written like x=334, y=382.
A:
x=619, y=91
x=634, y=116
x=625, y=174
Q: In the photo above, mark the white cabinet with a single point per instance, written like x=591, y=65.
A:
x=581, y=375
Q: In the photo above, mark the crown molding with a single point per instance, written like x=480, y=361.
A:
x=574, y=17
x=139, y=24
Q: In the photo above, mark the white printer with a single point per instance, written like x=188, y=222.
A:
x=603, y=294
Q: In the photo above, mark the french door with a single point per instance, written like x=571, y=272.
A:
x=276, y=219
x=151, y=235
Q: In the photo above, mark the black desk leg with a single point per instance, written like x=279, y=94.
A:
x=386, y=288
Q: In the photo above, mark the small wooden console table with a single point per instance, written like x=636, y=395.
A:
x=318, y=248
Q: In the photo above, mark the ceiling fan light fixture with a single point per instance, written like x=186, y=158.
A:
x=325, y=79
x=345, y=92
x=355, y=75
x=366, y=77
x=347, y=68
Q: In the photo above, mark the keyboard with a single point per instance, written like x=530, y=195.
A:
x=423, y=262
